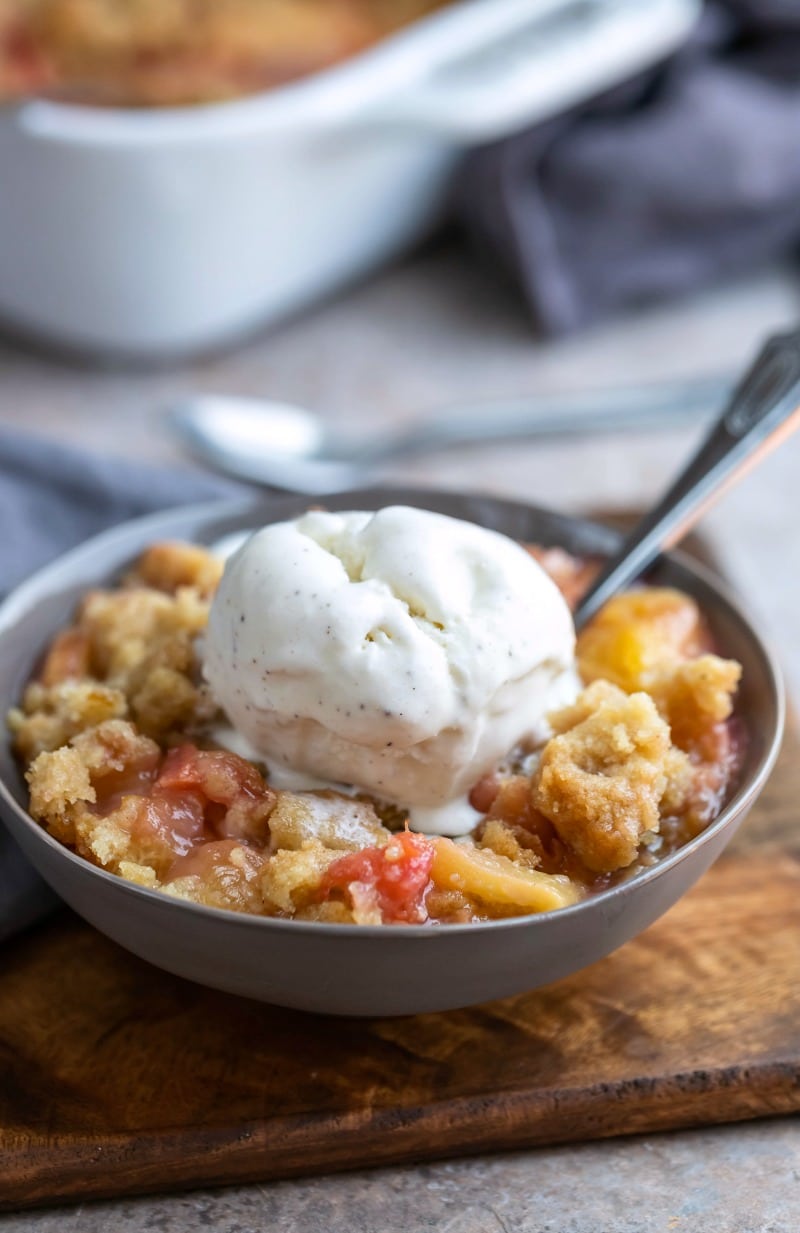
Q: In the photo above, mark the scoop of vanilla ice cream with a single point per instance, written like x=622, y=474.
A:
x=401, y=651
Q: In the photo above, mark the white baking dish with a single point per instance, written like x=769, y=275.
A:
x=150, y=233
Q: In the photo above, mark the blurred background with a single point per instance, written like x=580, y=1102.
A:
x=382, y=210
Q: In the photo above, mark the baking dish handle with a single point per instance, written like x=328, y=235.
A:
x=541, y=66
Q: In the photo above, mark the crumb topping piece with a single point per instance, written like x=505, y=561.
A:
x=603, y=775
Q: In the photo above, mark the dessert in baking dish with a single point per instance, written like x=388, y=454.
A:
x=387, y=719
x=172, y=52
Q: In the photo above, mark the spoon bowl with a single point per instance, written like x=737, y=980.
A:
x=263, y=442
x=383, y=970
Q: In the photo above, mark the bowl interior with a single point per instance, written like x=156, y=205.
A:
x=32, y=614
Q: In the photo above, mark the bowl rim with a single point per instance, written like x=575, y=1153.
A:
x=25, y=596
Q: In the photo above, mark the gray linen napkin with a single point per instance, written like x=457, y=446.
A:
x=684, y=176
x=52, y=498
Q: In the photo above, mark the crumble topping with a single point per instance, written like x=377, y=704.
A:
x=116, y=735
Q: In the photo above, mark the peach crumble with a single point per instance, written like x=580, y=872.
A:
x=146, y=53
x=117, y=733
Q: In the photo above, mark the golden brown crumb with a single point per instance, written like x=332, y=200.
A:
x=140, y=875
x=112, y=842
x=129, y=627
x=148, y=642
x=115, y=747
x=515, y=825
x=290, y=880
x=500, y=837
x=164, y=701
x=335, y=821
x=679, y=773
x=450, y=906
x=64, y=785
x=602, y=778
x=167, y=566
x=136, y=650
x=330, y=912
x=58, y=782
x=51, y=716
x=656, y=640
x=694, y=696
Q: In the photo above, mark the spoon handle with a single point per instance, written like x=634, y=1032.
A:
x=764, y=409
x=551, y=415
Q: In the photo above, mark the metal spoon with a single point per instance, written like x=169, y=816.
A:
x=764, y=410
x=286, y=447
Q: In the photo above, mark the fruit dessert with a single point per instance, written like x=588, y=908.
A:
x=375, y=719
x=146, y=53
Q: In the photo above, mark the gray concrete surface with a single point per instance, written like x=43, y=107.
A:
x=738, y=1179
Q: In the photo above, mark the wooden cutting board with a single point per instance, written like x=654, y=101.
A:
x=118, y=1079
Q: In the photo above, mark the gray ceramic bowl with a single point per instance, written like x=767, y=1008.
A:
x=342, y=969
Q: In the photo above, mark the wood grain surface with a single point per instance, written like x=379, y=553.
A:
x=120, y=1079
